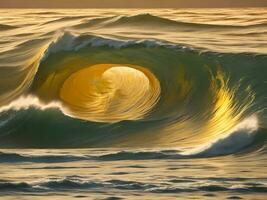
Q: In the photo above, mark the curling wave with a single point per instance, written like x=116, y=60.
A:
x=110, y=93
x=134, y=93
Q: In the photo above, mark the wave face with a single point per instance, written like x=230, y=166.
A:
x=112, y=82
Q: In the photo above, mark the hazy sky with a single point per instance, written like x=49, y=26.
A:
x=129, y=3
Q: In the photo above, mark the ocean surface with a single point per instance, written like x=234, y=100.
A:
x=133, y=104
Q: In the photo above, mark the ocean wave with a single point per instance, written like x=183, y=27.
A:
x=44, y=13
x=64, y=19
x=8, y=186
x=14, y=158
x=148, y=20
x=70, y=183
x=4, y=27
x=169, y=101
x=116, y=156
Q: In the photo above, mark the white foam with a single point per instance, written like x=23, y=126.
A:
x=26, y=102
x=69, y=42
x=238, y=138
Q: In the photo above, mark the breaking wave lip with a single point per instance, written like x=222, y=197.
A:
x=75, y=183
x=238, y=138
x=71, y=42
x=29, y=101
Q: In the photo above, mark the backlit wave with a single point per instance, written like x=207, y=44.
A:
x=130, y=94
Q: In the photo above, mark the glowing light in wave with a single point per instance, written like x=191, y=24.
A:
x=110, y=93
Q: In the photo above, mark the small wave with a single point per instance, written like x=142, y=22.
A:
x=9, y=186
x=64, y=19
x=43, y=13
x=4, y=27
x=120, y=155
x=140, y=155
x=70, y=183
x=61, y=184
x=218, y=188
x=210, y=188
x=94, y=22
x=14, y=158
x=147, y=21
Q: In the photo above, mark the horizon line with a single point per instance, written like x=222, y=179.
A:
x=128, y=7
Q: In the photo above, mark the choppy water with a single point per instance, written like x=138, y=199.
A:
x=161, y=103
